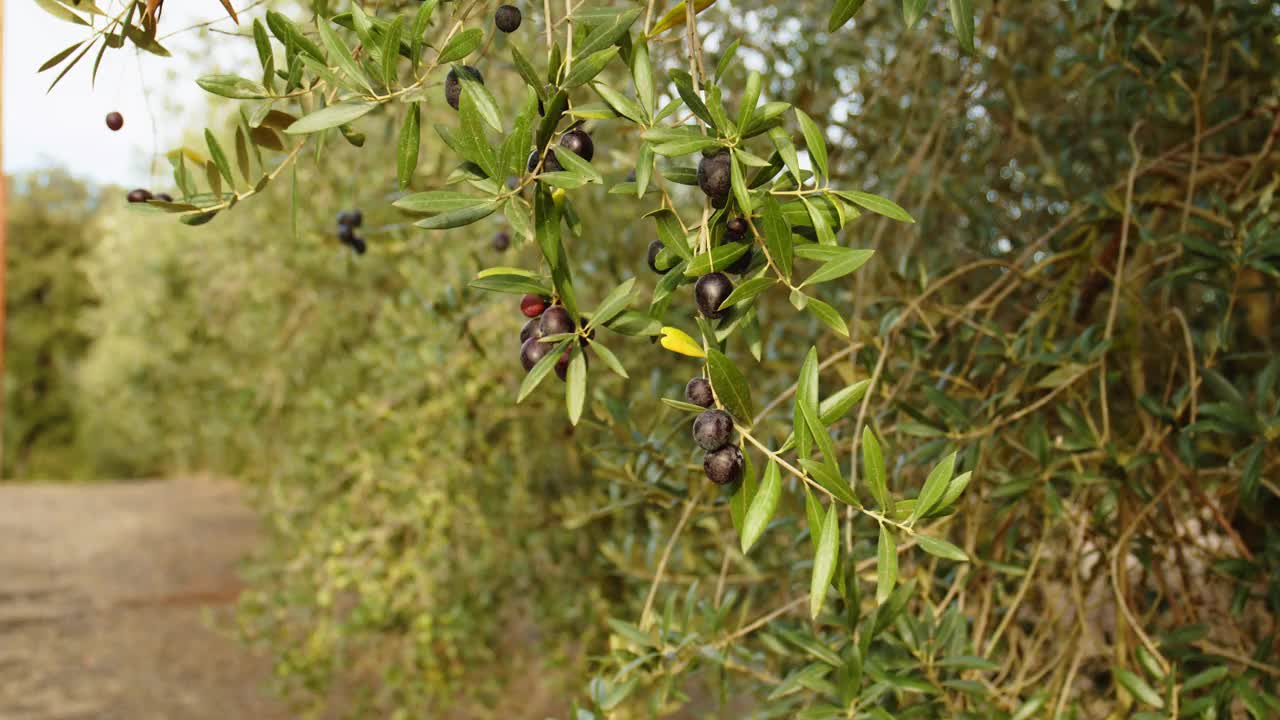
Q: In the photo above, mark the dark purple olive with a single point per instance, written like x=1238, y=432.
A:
x=507, y=18
x=453, y=86
x=698, y=392
x=115, y=121
x=556, y=321
x=737, y=229
x=710, y=291
x=714, y=176
x=531, y=352
x=656, y=247
x=724, y=466
x=580, y=143
x=712, y=429
x=551, y=164
x=531, y=329
x=562, y=365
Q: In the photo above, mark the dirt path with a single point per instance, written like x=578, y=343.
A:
x=110, y=600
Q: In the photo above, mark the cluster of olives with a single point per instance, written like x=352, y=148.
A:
x=545, y=320
x=348, y=221
x=576, y=140
x=713, y=431
x=713, y=288
x=507, y=18
x=139, y=195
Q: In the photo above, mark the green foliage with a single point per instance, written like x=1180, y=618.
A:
x=1046, y=400
x=53, y=226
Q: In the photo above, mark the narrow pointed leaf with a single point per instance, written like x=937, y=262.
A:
x=684, y=86
x=340, y=54
x=575, y=395
x=219, y=158
x=777, y=235
x=962, y=18
x=642, y=75
x=421, y=21
x=587, y=68
x=843, y=11
x=391, y=51
x=462, y=45
x=526, y=71
x=876, y=204
x=912, y=10
x=813, y=515
x=614, y=303
x=739, y=183
x=608, y=34
x=671, y=234
x=886, y=565
x=485, y=103
x=458, y=218
x=330, y=117
x=730, y=385
x=839, y=404
x=750, y=96
x=763, y=506
x=575, y=164
x=815, y=141
x=839, y=266
x=59, y=57
x=941, y=548
x=438, y=201
x=824, y=561
x=622, y=104
x=719, y=258
x=935, y=486
x=827, y=314
x=873, y=468
x=407, y=150
x=954, y=489
x=1138, y=688
x=748, y=290
x=609, y=359
x=242, y=156
x=787, y=150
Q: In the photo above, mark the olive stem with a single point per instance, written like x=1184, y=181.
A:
x=810, y=481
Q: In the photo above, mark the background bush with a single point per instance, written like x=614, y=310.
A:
x=432, y=540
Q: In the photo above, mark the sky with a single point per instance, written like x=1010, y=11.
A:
x=67, y=128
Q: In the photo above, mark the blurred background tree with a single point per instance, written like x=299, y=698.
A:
x=53, y=226
x=434, y=544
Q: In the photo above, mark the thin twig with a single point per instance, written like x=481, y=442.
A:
x=692, y=502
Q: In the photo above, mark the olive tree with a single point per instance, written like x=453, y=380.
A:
x=776, y=387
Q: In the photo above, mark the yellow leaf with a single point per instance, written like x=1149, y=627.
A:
x=678, y=341
x=678, y=15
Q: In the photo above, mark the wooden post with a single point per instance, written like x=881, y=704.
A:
x=4, y=224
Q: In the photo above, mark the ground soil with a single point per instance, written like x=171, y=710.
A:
x=116, y=603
